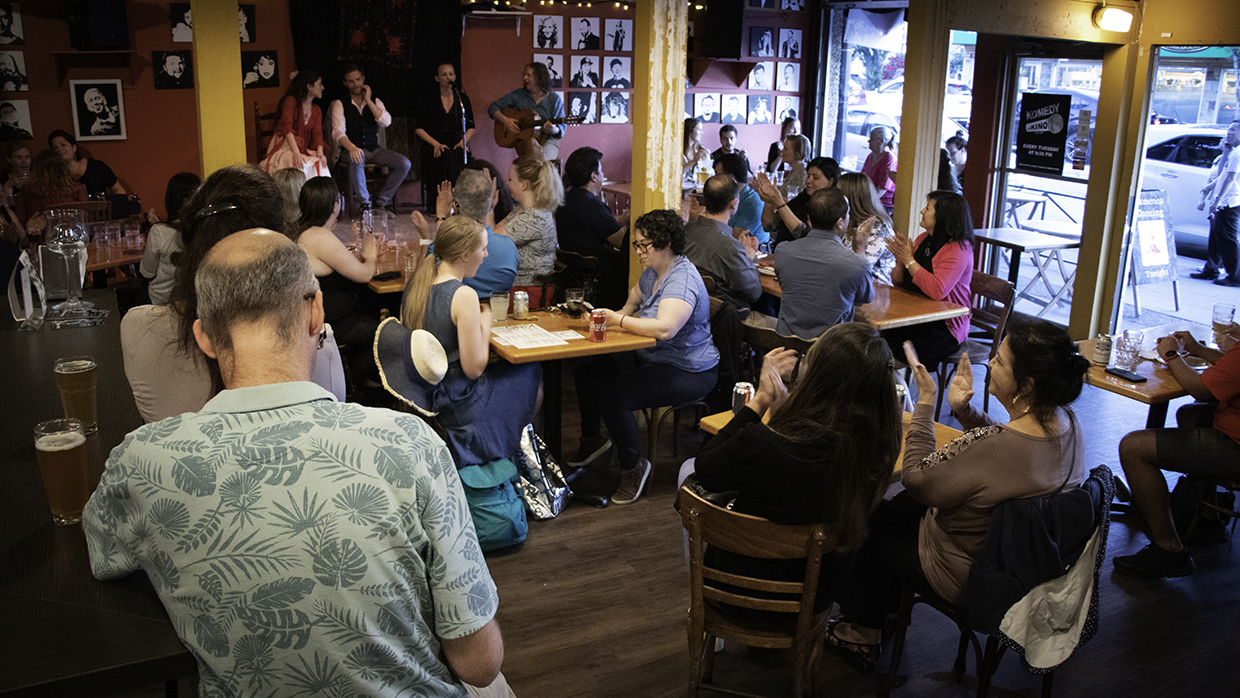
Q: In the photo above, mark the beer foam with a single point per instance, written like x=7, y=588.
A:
x=59, y=442
x=75, y=366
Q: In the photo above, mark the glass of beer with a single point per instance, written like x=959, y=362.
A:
x=76, y=379
x=61, y=448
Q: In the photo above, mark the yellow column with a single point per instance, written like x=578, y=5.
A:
x=661, y=29
x=925, y=84
x=217, y=81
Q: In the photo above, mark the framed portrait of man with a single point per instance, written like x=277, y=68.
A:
x=706, y=107
x=98, y=110
x=13, y=72
x=617, y=35
x=786, y=107
x=761, y=74
x=788, y=77
x=11, y=33
x=554, y=65
x=585, y=34
x=173, y=70
x=789, y=43
x=15, y=120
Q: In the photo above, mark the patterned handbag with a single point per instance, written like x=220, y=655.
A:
x=542, y=485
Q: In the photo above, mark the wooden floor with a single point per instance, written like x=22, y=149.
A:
x=595, y=601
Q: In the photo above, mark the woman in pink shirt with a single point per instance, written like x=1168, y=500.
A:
x=939, y=263
x=880, y=165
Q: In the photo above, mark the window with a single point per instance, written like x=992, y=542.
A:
x=1198, y=151
x=1163, y=150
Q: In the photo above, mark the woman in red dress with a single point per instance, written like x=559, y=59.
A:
x=298, y=141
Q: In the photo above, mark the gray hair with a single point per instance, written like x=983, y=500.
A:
x=273, y=288
x=473, y=194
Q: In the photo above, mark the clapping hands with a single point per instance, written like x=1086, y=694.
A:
x=771, y=391
x=960, y=390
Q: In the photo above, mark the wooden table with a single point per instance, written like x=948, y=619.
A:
x=618, y=340
x=97, y=260
x=65, y=633
x=989, y=242
x=892, y=307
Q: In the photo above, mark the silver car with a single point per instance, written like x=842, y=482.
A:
x=1179, y=163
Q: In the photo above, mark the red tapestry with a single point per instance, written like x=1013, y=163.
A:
x=378, y=30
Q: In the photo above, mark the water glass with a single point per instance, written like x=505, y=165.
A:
x=499, y=306
x=1221, y=320
x=1127, y=349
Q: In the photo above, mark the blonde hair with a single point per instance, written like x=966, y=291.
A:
x=863, y=200
x=290, y=180
x=800, y=145
x=543, y=180
x=457, y=238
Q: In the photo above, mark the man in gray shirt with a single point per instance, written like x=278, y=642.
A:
x=822, y=280
x=709, y=244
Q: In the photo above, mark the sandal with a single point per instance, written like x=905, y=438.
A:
x=861, y=656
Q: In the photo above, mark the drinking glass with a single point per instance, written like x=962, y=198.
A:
x=133, y=234
x=66, y=236
x=499, y=307
x=574, y=302
x=60, y=446
x=1221, y=320
x=76, y=379
x=1127, y=349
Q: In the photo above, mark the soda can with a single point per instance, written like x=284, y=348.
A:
x=598, y=325
x=520, y=305
x=742, y=393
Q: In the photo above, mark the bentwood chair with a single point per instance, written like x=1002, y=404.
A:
x=793, y=623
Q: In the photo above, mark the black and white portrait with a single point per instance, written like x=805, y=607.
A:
x=15, y=120
x=548, y=31
x=98, y=110
x=585, y=105
x=761, y=42
x=172, y=70
x=11, y=24
x=706, y=107
x=13, y=72
x=788, y=77
x=554, y=63
x=585, y=72
x=789, y=43
x=585, y=34
x=615, y=108
x=259, y=69
x=618, y=35
x=792, y=4
x=787, y=107
x=618, y=73
x=760, y=76
x=760, y=109
x=733, y=109
x=182, y=23
x=765, y=4
x=245, y=23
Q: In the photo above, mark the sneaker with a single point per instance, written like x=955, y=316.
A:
x=1152, y=562
x=1204, y=275
x=589, y=450
x=631, y=483
x=1228, y=281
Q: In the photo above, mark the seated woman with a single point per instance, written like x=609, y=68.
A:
x=794, y=154
x=291, y=180
x=670, y=304
x=789, y=127
x=163, y=244
x=50, y=185
x=482, y=407
x=298, y=140
x=872, y=243
x=784, y=219
x=930, y=536
x=939, y=263
x=694, y=156
x=94, y=174
x=167, y=372
x=538, y=192
x=16, y=167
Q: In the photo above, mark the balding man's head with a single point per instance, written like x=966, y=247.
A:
x=719, y=192
x=473, y=194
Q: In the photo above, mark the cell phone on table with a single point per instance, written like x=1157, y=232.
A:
x=1126, y=375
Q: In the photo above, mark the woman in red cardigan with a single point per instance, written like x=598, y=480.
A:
x=298, y=140
x=939, y=263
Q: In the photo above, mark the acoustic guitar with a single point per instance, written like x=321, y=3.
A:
x=529, y=121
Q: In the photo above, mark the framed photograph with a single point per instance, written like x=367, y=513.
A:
x=98, y=110
x=11, y=32
x=618, y=35
x=259, y=69
x=173, y=70
x=764, y=4
x=706, y=107
x=760, y=109
x=585, y=71
x=761, y=42
x=585, y=34
x=789, y=77
x=615, y=108
x=789, y=43
x=13, y=72
x=182, y=23
x=585, y=105
x=796, y=5
x=15, y=120
x=548, y=32
x=734, y=109
x=787, y=107
x=246, y=23
x=618, y=74
x=760, y=76
x=553, y=63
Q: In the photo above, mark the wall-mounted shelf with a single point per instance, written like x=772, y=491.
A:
x=116, y=64
x=737, y=70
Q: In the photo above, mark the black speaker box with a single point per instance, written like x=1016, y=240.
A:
x=723, y=28
x=98, y=25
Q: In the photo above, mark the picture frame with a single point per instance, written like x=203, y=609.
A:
x=762, y=42
x=618, y=35
x=615, y=108
x=583, y=104
x=174, y=70
x=548, y=32
x=98, y=110
x=786, y=106
x=181, y=22
x=260, y=69
x=788, y=77
x=760, y=109
x=585, y=35
x=15, y=124
x=789, y=43
x=733, y=109
x=555, y=64
x=617, y=73
x=584, y=72
x=706, y=107
x=11, y=32
x=247, y=24
x=13, y=72
x=762, y=76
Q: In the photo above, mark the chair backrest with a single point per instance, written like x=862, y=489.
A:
x=262, y=136
x=708, y=281
x=762, y=340
x=992, y=306
x=94, y=211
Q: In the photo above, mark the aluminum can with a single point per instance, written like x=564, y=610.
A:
x=742, y=393
x=598, y=325
x=520, y=305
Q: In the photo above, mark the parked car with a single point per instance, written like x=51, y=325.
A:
x=1179, y=164
x=957, y=103
x=861, y=119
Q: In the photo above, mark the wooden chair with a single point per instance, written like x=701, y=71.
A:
x=993, y=298
x=578, y=271
x=93, y=211
x=761, y=340
x=263, y=134
x=1210, y=501
x=801, y=629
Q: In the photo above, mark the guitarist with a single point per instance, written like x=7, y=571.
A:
x=535, y=94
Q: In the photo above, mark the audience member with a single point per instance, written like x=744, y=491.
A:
x=356, y=129
x=930, y=536
x=864, y=205
x=670, y=304
x=298, y=138
x=94, y=174
x=795, y=154
x=291, y=180
x=50, y=184
x=502, y=204
x=790, y=126
x=475, y=194
x=272, y=438
x=694, y=157
x=538, y=191
x=534, y=95
x=16, y=167
x=946, y=177
x=584, y=225
x=785, y=219
x=163, y=243
x=727, y=146
x=748, y=215
x=958, y=152
x=709, y=244
x=880, y=165
x=445, y=125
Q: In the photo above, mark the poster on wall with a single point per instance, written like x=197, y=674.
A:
x=761, y=42
x=795, y=5
x=245, y=24
x=172, y=70
x=98, y=110
x=585, y=72
x=706, y=107
x=787, y=107
x=11, y=32
x=552, y=62
x=1043, y=132
x=619, y=74
x=548, y=30
x=760, y=109
x=760, y=76
x=585, y=105
x=259, y=69
x=586, y=36
x=615, y=108
x=789, y=77
x=764, y=4
x=182, y=23
x=733, y=109
x=15, y=120
x=618, y=35
x=789, y=43
x=13, y=72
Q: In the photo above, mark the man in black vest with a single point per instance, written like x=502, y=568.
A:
x=356, y=128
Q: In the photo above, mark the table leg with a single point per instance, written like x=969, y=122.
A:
x=1157, y=417
x=552, y=406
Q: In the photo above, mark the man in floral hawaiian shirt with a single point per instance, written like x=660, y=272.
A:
x=301, y=546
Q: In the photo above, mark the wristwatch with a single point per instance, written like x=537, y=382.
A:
x=1172, y=353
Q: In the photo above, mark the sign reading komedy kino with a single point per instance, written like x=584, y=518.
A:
x=1043, y=132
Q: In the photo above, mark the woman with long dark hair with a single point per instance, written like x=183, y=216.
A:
x=298, y=140
x=94, y=174
x=445, y=125
x=694, y=156
x=790, y=126
x=163, y=244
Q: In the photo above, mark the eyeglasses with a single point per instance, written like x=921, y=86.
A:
x=642, y=246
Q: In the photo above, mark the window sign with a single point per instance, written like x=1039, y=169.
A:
x=1043, y=132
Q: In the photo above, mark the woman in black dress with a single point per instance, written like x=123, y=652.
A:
x=439, y=127
x=94, y=174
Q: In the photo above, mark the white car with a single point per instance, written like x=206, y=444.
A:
x=1178, y=162
x=861, y=119
x=957, y=102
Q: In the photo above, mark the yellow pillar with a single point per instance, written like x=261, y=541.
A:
x=925, y=84
x=217, y=82
x=661, y=28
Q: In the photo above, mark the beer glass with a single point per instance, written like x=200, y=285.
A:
x=76, y=379
x=61, y=448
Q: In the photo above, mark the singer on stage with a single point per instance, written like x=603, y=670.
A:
x=444, y=130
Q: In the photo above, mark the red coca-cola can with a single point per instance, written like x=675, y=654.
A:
x=598, y=325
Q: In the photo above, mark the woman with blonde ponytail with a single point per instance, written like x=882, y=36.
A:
x=537, y=189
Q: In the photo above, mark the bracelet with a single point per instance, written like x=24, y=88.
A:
x=1171, y=354
x=909, y=264
x=783, y=205
x=441, y=218
x=621, y=322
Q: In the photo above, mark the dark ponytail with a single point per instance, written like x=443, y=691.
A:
x=1043, y=354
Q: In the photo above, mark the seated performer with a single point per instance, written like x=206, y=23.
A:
x=355, y=127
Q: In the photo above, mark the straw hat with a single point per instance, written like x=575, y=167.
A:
x=411, y=363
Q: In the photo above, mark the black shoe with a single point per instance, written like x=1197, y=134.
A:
x=1204, y=275
x=1228, y=281
x=589, y=450
x=1152, y=562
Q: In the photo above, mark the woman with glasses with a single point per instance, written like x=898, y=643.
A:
x=670, y=304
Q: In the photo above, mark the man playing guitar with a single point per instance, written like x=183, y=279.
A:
x=536, y=95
